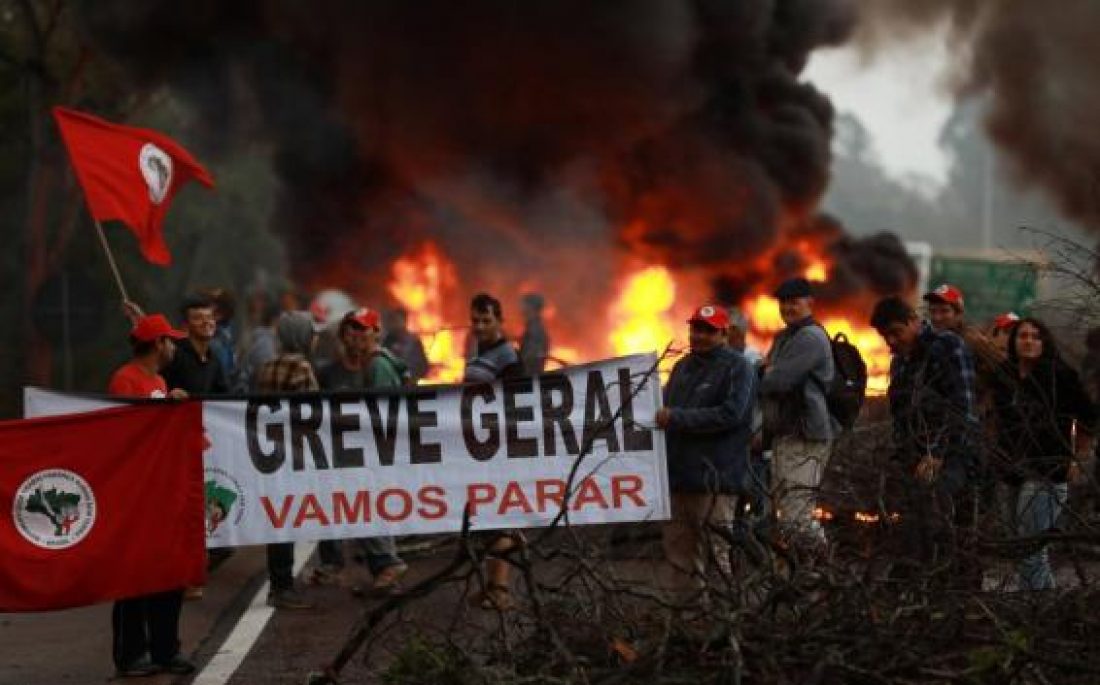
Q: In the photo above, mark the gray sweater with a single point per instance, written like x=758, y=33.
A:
x=792, y=391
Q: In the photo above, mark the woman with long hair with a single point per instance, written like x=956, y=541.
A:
x=1044, y=424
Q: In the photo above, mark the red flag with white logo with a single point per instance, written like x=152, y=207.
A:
x=101, y=506
x=128, y=174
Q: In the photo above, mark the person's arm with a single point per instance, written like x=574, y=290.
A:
x=734, y=411
x=791, y=367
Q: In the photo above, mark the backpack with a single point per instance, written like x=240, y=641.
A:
x=844, y=396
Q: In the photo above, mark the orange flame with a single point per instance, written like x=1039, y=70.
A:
x=420, y=281
x=642, y=318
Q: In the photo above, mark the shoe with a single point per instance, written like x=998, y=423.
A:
x=138, y=668
x=325, y=574
x=388, y=580
x=494, y=598
x=177, y=665
x=290, y=599
x=192, y=594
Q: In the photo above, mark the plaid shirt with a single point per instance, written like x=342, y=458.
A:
x=932, y=399
x=287, y=373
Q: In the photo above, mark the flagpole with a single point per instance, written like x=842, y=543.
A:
x=111, y=261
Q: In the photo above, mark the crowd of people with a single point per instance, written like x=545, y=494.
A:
x=994, y=419
x=987, y=425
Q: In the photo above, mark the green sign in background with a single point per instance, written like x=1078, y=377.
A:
x=989, y=287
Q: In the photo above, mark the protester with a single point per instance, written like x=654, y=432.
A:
x=494, y=358
x=947, y=312
x=363, y=365
x=1045, y=421
x=224, y=344
x=1001, y=330
x=404, y=343
x=738, y=337
x=932, y=406
x=145, y=629
x=261, y=345
x=534, y=346
x=708, y=419
x=195, y=367
x=797, y=425
x=290, y=371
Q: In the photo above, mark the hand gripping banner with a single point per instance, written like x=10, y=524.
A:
x=329, y=466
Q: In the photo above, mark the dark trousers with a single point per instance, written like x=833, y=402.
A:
x=149, y=623
x=280, y=566
x=937, y=531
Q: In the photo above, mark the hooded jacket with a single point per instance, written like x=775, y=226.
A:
x=710, y=397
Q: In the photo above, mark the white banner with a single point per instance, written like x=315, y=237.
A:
x=316, y=467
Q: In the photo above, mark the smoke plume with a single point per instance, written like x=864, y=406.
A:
x=1034, y=65
x=538, y=142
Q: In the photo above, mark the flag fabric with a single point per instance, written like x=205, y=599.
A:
x=128, y=174
x=101, y=506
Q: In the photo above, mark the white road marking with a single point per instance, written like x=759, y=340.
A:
x=233, y=651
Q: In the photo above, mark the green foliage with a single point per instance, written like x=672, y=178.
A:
x=421, y=663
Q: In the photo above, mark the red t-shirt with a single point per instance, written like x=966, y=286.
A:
x=132, y=380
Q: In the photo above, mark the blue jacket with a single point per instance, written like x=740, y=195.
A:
x=710, y=396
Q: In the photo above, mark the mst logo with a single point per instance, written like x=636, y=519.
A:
x=156, y=169
x=224, y=499
x=54, y=509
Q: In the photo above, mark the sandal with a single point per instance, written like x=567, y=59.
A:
x=387, y=581
x=494, y=598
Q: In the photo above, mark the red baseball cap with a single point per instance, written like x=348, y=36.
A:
x=712, y=315
x=946, y=293
x=154, y=327
x=1005, y=321
x=365, y=317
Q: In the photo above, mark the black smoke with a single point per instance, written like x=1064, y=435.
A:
x=532, y=139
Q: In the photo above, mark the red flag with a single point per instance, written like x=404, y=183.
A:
x=128, y=174
x=100, y=506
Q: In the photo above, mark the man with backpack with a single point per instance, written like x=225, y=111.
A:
x=798, y=427
x=363, y=364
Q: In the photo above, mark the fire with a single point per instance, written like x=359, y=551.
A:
x=420, y=282
x=642, y=318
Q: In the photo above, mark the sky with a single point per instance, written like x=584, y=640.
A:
x=900, y=96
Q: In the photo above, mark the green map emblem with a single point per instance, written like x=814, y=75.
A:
x=54, y=509
x=224, y=500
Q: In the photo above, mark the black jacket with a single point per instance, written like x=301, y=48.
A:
x=197, y=377
x=710, y=396
x=1035, y=416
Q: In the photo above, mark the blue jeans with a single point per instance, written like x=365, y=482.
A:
x=1037, y=509
x=379, y=552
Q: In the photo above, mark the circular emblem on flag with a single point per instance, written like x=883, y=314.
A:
x=156, y=169
x=224, y=499
x=54, y=509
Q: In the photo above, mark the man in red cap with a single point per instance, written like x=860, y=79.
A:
x=145, y=629
x=947, y=312
x=362, y=363
x=708, y=420
x=798, y=427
